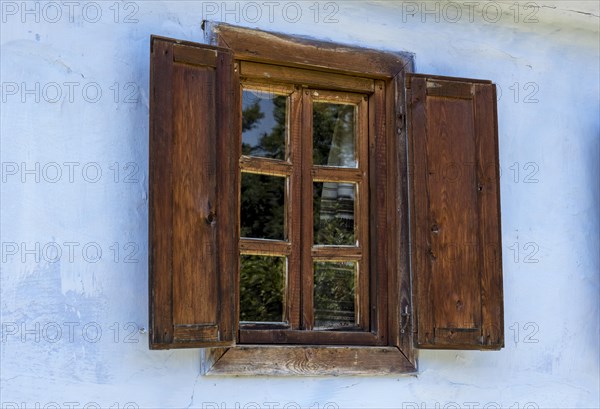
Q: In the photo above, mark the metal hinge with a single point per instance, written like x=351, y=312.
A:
x=404, y=319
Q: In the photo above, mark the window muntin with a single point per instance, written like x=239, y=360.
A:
x=324, y=134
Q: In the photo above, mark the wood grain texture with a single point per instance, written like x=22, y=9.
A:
x=192, y=206
x=256, y=45
x=294, y=290
x=160, y=212
x=390, y=290
x=349, y=336
x=452, y=133
x=401, y=314
x=194, y=243
x=229, y=147
x=265, y=166
x=378, y=207
x=305, y=78
x=488, y=175
x=264, y=247
x=311, y=361
x=306, y=206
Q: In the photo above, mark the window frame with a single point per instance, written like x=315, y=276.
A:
x=427, y=122
x=299, y=222
x=380, y=75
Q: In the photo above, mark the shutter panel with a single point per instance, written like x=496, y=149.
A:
x=194, y=118
x=455, y=213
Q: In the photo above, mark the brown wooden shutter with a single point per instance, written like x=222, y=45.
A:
x=194, y=120
x=455, y=213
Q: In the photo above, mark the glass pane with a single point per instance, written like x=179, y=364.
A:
x=334, y=135
x=333, y=207
x=262, y=207
x=334, y=295
x=262, y=288
x=263, y=124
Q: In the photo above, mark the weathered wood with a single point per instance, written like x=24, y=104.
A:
x=280, y=49
x=336, y=253
x=354, y=335
x=305, y=78
x=336, y=174
x=400, y=312
x=208, y=357
x=265, y=247
x=295, y=217
x=195, y=333
x=379, y=202
x=194, y=243
x=453, y=136
x=336, y=97
x=192, y=229
x=382, y=153
x=488, y=175
x=265, y=166
x=193, y=55
x=361, y=219
x=160, y=212
x=229, y=148
x=311, y=361
x=306, y=206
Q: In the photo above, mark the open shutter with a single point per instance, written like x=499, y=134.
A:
x=194, y=117
x=455, y=212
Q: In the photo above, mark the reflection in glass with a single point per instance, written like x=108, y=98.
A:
x=262, y=206
x=263, y=124
x=262, y=288
x=333, y=207
x=334, y=135
x=334, y=295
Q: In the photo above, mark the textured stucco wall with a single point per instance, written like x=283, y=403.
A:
x=74, y=149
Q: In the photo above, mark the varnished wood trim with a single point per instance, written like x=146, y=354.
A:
x=306, y=78
x=361, y=220
x=335, y=174
x=264, y=247
x=295, y=217
x=311, y=361
x=306, y=207
x=265, y=166
x=336, y=253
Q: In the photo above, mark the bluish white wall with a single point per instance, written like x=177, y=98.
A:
x=74, y=153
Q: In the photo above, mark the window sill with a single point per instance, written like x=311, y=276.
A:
x=269, y=360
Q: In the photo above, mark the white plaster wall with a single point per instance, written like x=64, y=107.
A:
x=52, y=354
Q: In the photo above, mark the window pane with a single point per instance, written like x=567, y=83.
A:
x=334, y=134
x=334, y=295
x=333, y=206
x=262, y=206
x=262, y=288
x=263, y=124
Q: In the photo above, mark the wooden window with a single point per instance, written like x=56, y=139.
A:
x=294, y=187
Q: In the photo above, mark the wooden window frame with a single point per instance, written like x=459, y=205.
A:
x=380, y=75
x=298, y=248
x=428, y=294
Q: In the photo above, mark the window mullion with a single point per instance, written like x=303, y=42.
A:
x=294, y=210
x=307, y=212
